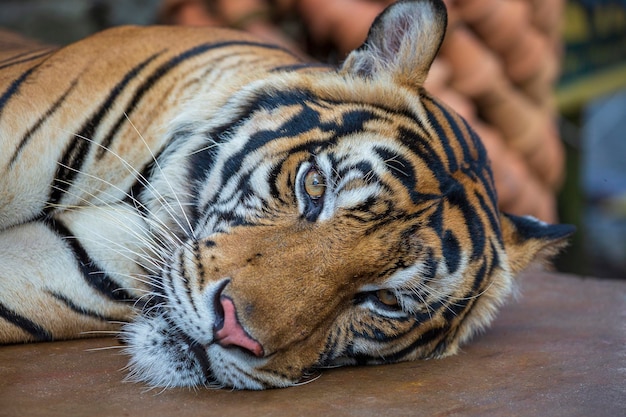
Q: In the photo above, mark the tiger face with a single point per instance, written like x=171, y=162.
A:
x=326, y=218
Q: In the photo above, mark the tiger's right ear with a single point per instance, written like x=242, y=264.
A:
x=528, y=240
x=402, y=42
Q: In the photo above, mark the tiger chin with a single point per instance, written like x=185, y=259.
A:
x=252, y=217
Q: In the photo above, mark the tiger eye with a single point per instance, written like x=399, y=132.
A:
x=387, y=297
x=314, y=184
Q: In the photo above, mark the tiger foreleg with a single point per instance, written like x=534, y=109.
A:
x=69, y=277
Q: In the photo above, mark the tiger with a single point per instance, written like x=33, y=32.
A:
x=240, y=217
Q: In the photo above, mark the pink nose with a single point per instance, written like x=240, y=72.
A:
x=232, y=334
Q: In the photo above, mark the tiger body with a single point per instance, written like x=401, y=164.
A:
x=252, y=216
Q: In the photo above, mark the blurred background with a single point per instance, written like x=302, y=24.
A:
x=584, y=94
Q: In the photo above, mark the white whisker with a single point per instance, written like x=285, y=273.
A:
x=395, y=168
x=155, y=219
x=156, y=162
x=105, y=348
x=206, y=148
x=137, y=175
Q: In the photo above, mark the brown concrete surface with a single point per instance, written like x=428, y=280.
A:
x=558, y=351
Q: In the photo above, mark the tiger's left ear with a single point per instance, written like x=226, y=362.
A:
x=528, y=240
x=402, y=42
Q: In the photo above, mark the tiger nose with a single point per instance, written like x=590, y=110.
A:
x=229, y=332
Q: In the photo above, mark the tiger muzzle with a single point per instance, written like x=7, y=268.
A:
x=283, y=288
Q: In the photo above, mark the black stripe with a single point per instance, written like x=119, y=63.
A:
x=451, y=251
x=403, y=170
x=183, y=275
x=200, y=354
x=73, y=159
x=426, y=338
x=330, y=348
x=463, y=139
x=14, y=57
x=82, y=310
x=141, y=183
x=39, y=123
x=36, y=331
x=199, y=264
x=495, y=262
x=473, y=221
x=456, y=195
x=14, y=88
x=300, y=66
x=275, y=188
x=68, y=167
x=6, y=64
x=482, y=157
x=373, y=332
x=490, y=211
x=162, y=71
x=93, y=276
x=435, y=221
x=476, y=161
x=423, y=149
x=460, y=307
x=442, y=136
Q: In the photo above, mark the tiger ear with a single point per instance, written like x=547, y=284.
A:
x=402, y=42
x=528, y=240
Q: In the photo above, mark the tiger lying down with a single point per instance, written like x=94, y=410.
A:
x=252, y=218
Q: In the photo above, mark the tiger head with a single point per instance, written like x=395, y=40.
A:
x=330, y=218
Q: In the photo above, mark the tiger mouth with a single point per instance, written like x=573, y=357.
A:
x=199, y=351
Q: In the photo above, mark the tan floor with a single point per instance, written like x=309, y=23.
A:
x=558, y=351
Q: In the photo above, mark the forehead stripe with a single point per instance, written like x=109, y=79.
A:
x=489, y=210
x=442, y=134
x=421, y=147
x=467, y=135
x=305, y=120
x=405, y=172
x=451, y=251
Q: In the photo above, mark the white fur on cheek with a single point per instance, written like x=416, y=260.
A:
x=159, y=358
